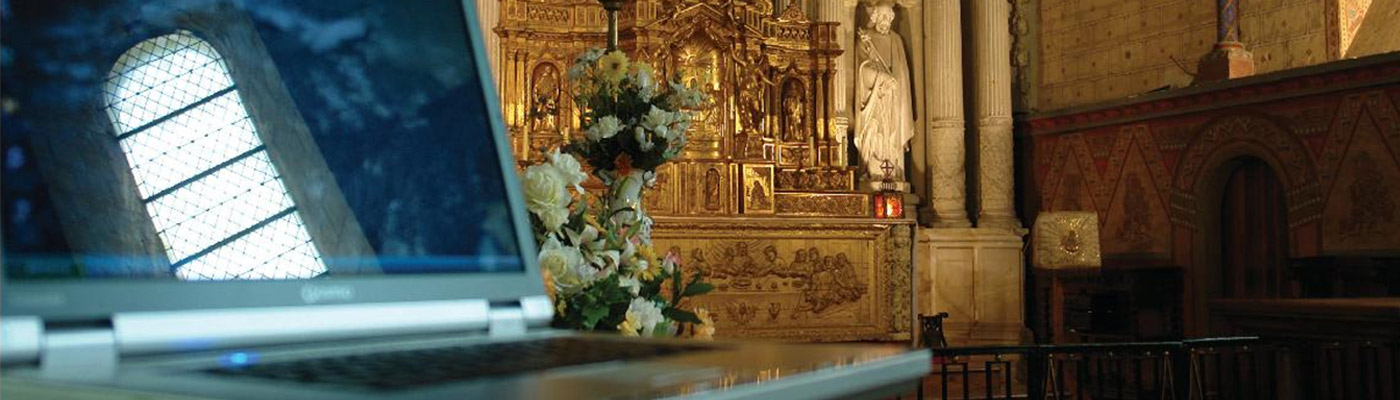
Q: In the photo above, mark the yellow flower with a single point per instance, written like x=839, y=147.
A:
x=630, y=326
x=653, y=266
x=613, y=67
x=592, y=220
x=706, y=329
x=549, y=284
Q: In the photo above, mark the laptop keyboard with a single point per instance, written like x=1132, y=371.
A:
x=410, y=368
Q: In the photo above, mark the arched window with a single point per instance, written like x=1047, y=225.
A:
x=217, y=201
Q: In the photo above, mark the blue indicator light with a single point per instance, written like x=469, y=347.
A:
x=238, y=359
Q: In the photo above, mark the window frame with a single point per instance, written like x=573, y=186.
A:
x=128, y=123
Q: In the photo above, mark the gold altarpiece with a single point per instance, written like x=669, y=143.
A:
x=763, y=199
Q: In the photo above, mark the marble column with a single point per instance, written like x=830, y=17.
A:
x=843, y=12
x=488, y=14
x=943, y=143
x=991, y=76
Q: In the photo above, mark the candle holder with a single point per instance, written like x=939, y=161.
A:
x=612, y=6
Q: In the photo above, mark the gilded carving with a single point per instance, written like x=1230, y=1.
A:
x=806, y=204
x=1066, y=239
x=758, y=189
x=794, y=111
x=544, y=108
x=901, y=253
x=762, y=170
x=769, y=79
x=785, y=280
x=661, y=199
x=821, y=281
x=712, y=190
x=816, y=180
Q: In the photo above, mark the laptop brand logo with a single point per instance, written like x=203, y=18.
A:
x=312, y=294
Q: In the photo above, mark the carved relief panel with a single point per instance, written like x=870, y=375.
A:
x=801, y=282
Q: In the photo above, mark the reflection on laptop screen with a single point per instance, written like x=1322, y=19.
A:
x=257, y=139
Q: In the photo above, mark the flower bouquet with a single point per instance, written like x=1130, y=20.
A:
x=596, y=253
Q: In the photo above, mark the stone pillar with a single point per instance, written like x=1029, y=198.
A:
x=991, y=76
x=943, y=143
x=1229, y=59
x=488, y=14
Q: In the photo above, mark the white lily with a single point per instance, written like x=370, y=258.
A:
x=656, y=118
x=643, y=141
x=604, y=128
x=631, y=284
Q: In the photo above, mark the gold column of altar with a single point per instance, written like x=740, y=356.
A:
x=763, y=199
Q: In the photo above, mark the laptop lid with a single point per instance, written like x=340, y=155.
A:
x=188, y=155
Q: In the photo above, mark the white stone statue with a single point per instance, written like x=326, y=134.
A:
x=884, y=121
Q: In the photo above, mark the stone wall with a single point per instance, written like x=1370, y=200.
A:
x=1099, y=50
x=1331, y=134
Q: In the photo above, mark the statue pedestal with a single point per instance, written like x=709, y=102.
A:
x=878, y=186
x=977, y=276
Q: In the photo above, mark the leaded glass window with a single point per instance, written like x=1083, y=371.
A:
x=217, y=201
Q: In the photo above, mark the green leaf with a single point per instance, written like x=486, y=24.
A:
x=698, y=288
x=593, y=314
x=680, y=315
x=676, y=286
x=661, y=330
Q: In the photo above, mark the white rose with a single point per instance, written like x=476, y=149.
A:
x=554, y=218
x=569, y=169
x=545, y=195
x=561, y=262
x=604, y=128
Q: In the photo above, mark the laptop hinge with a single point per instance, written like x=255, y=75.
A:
x=507, y=321
x=514, y=319
x=88, y=353
x=21, y=339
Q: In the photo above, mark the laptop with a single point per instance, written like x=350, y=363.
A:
x=281, y=199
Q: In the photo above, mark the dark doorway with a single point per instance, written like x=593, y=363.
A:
x=1254, y=234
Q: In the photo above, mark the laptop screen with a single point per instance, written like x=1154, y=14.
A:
x=247, y=140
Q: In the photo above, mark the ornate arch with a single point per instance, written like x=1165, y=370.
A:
x=1250, y=134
